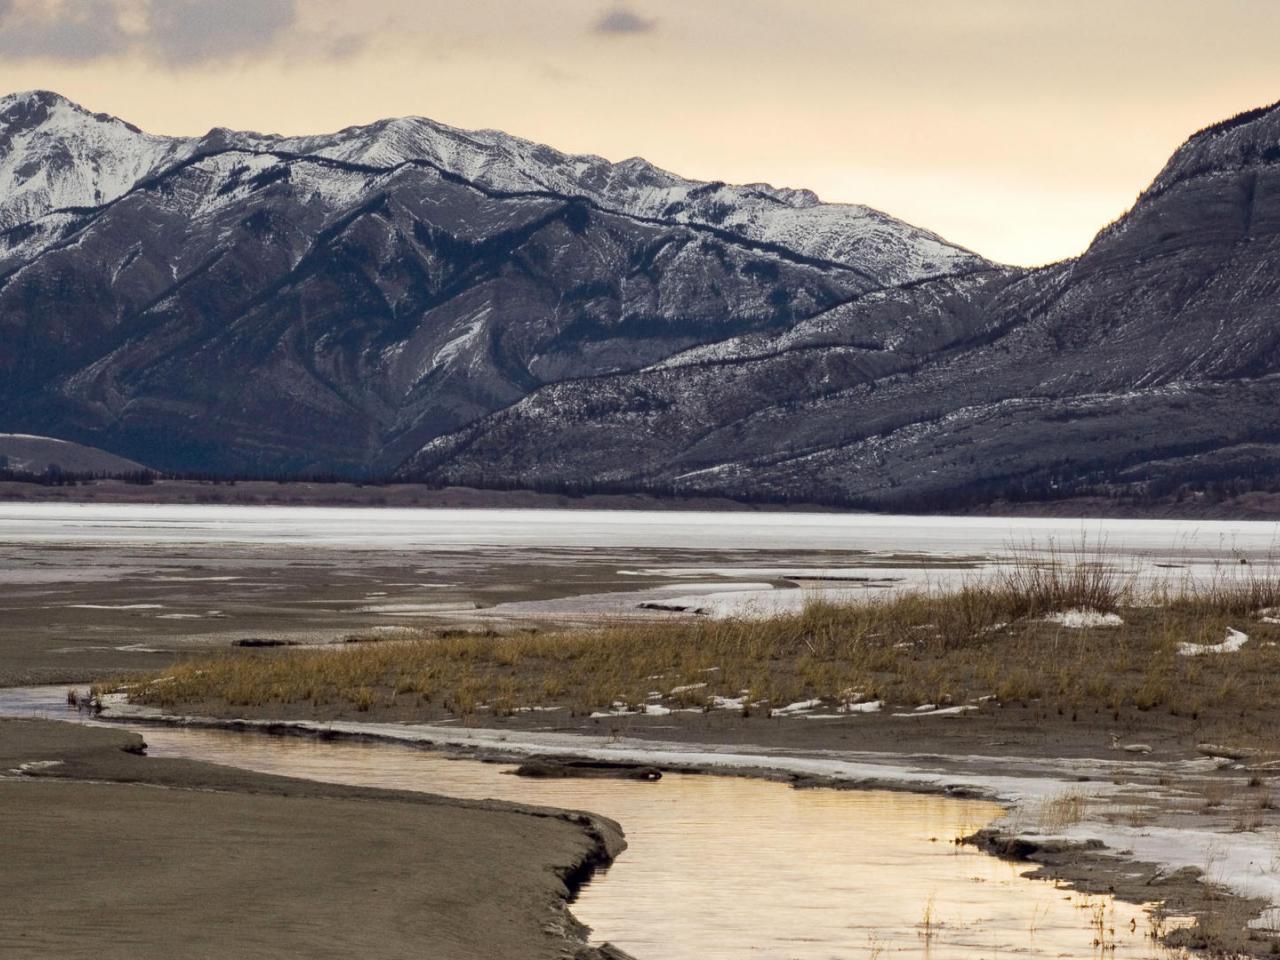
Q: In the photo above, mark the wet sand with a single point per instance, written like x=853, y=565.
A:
x=70, y=613
x=110, y=854
x=985, y=753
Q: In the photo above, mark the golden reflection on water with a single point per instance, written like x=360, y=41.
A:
x=722, y=868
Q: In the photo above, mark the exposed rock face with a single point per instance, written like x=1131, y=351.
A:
x=1154, y=354
x=243, y=302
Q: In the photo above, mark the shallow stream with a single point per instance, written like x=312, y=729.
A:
x=724, y=868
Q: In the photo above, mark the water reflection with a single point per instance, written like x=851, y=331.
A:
x=723, y=868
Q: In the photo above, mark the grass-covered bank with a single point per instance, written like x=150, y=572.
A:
x=1076, y=639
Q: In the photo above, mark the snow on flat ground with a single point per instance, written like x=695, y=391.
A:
x=815, y=551
x=1242, y=861
x=921, y=771
x=389, y=528
x=756, y=603
x=1081, y=619
x=1235, y=640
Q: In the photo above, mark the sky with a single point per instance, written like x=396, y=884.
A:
x=1017, y=128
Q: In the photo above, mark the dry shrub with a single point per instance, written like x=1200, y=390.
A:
x=1075, y=578
x=1238, y=590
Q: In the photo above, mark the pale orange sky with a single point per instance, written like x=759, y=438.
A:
x=1017, y=128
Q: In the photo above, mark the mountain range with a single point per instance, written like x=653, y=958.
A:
x=472, y=308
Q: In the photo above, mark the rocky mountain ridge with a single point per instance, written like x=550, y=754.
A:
x=1152, y=358
x=331, y=303
x=468, y=307
x=59, y=155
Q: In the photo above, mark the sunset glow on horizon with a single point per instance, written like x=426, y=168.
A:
x=995, y=124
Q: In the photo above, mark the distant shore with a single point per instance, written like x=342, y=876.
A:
x=303, y=493
x=1248, y=506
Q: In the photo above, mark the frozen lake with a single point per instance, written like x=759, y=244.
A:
x=376, y=528
x=128, y=585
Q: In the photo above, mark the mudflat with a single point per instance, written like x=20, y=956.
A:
x=108, y=853
x=579, y=629
x=76, y=612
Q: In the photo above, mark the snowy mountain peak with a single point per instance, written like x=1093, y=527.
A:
x=886, y=249
x=29, y=109
x=14, y=106
x=55, y=154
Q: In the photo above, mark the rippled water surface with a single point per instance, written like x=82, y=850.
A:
x=722, y=868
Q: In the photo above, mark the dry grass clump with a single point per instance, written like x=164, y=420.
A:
x=1076, y=578
x=828, y=650
x=1061, y=811
x=1240, y=590
x=985, y=640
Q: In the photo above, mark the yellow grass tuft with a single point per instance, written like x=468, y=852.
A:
x=982, y=641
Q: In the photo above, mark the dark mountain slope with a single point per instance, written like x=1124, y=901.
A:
x=253, y=312
x=252, y=303
x=1157, y=346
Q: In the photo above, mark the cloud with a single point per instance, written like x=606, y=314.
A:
x=621, y=21
x=184, y=31
x=67, y=31
x=344, y=46
x=175, y=32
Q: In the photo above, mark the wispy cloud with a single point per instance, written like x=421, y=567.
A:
x=182, y=31
x=620, y=20
x=173, y=32
x=80, y=31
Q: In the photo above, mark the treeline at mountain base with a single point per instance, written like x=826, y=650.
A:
x=1168, y=495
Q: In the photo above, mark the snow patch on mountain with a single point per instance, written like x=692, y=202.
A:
x=55, y=154
x=455, y=347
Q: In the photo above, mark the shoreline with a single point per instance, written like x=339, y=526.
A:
x=1143, y=827
x=56, y=769
x=1089, y=855
x=303, y=493
x=1254, y=506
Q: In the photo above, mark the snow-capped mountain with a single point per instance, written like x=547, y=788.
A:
x=1152, y=358
x=489, y=311
x=888, y=250
x=251, y=302
x=56, y=154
